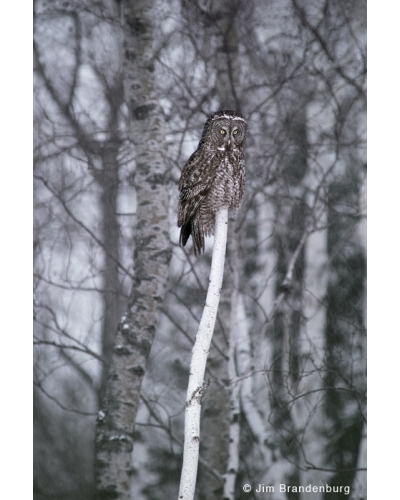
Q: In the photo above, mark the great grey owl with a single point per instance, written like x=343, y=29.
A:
x=213, y=177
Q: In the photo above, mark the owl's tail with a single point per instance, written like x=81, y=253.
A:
x=194, y=228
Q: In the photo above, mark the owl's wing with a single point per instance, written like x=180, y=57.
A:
x=189, y=206
x=194, y=186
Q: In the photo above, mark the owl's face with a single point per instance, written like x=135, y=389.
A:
x=228, y=134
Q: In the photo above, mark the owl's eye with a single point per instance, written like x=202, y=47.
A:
x=222, y=131
x=235, y=132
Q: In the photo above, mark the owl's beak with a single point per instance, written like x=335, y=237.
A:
x=229, y=142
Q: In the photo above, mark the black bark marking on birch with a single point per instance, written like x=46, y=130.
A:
x=136, y=25
x=143, y=346
x=199, y=393
x=130, y=55
x=116, y=445
x=121, y=351
x=145, y=242
x=137, y=370
x=156, y=180
x=141, y=112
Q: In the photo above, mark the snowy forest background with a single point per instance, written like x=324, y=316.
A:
x=296, y=264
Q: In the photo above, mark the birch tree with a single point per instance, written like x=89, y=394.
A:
x=135, y=334
x=197, y=386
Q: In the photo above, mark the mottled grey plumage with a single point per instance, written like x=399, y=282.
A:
x=213, y=177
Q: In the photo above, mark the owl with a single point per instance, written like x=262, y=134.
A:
x=213, y=177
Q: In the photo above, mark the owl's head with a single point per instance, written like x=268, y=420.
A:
x=224, y=131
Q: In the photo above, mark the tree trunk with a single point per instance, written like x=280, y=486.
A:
x=291, y=213
x=345, y=330
x=135, y=335
x=108, y=180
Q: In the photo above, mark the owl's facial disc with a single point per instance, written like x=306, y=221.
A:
x=224, y=139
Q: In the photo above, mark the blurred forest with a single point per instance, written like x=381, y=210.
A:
x=288, y=360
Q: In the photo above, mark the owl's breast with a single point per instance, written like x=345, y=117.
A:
x=228, y=183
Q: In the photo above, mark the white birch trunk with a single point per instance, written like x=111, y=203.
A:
x=197, y=386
